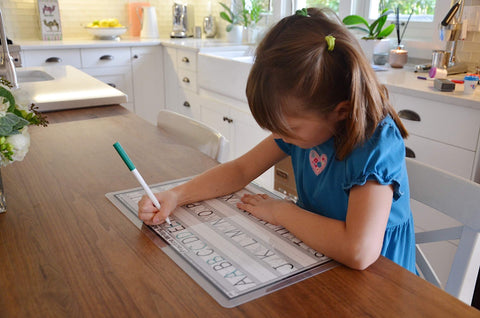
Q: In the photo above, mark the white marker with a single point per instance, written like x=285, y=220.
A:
x=132, y=168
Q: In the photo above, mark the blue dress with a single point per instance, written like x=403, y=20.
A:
x=323, y=184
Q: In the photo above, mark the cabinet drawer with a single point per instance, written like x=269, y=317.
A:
x=451, y=124
x=189, y=105
x=105, y=57
x=453, y=159
x=187, y=60
x=50, y=57
x=187, y=80
x=119, y=78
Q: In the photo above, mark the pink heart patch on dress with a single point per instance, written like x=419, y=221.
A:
x=317, y=162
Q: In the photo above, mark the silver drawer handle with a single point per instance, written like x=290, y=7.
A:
x=185, y=59
x=53, y=59
x=106, y=57
x=186, y=80
x=409, y=115
x=186, y=104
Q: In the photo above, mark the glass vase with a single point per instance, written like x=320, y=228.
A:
x=3, y=201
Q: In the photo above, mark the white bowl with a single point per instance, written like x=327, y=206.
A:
x=106, y=33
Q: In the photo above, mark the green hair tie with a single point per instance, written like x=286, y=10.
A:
x=303, y=12
x=330, y=42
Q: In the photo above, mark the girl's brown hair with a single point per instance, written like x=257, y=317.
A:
x=293, y=60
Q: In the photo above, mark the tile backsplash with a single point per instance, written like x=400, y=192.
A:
x=22, y=19
x=22, y=16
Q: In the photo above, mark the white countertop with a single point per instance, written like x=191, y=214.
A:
x=405, y=81
x=69, y=88
x=84, y=43
x=402, y=81
x=186, y=43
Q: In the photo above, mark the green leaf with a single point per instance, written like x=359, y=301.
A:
x=380, y=24
x=5, y=93
x=387, y=31
x=355, y=19
x=360, y=28
x=10, y=124
x=225, y=17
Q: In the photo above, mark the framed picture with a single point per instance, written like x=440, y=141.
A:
x=50, y=24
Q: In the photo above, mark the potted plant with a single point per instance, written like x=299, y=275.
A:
x=375, y=33
x=234, y=27
x=247, y=15
x=252, y=14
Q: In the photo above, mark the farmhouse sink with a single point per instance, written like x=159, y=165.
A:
x=225, y=70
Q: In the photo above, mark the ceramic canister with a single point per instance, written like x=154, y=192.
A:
x=398, y=57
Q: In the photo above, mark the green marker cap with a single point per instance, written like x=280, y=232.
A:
x=124, y=156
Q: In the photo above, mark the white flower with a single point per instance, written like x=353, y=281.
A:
x=4, y=104
x=22, y=99
x=20, y=143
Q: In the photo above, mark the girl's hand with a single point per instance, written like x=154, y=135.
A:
x=149, y=214
x=262, y=206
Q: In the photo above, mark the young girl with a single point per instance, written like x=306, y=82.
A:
x=313, y=88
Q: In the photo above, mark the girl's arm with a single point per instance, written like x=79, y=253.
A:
x=356, y=242
x=231, y=176
x=217, y=181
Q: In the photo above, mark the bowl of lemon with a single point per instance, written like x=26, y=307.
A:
x=106, y=29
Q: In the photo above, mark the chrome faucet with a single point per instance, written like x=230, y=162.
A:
x=8, y=68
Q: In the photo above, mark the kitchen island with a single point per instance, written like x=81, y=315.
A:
x=67, y=251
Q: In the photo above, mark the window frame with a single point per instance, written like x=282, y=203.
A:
x=421, y=36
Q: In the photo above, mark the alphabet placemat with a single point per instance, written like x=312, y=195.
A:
x=241, y=256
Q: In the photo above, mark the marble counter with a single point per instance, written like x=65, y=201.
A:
x=69, y=88
x=401, y=81
x=405, y=81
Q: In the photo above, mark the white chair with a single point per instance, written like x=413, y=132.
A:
x=458, y=198
x=193, y=133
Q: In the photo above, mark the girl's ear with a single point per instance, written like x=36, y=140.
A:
x=342, y=110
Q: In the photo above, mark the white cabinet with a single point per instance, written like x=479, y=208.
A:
x=137, y=71
x=238, y=126
x=443, y=135
x=112, y=66
x=52, y=57
x=148, y=84
x=180, y=66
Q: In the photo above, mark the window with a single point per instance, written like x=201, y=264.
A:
x=421, y=35
x=421, y=10
x=332, y=4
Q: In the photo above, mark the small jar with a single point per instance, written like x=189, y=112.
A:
x=470, y=82
x=398, y=57
x=436, y=72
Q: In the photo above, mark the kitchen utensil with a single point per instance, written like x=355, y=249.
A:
x=183, y=21
x=209, y=26
x=135, y=18
x=440, y=58
x=451, y=32
x=149, y=23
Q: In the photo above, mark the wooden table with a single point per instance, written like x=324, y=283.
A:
x=66, y=251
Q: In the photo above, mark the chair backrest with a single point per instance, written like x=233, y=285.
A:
x=458, y=198
x=194, y=133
